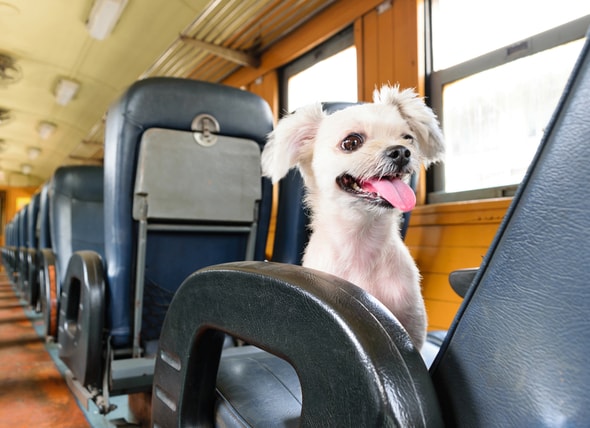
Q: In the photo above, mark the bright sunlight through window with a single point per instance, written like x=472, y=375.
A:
x=333, y=79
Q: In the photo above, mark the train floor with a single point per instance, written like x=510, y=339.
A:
x=33, y=392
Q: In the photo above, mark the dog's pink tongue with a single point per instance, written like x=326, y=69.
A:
x=395, y=191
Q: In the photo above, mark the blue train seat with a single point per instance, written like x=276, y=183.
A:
x=182, y=190
x=73, y=202
x=47, y=279
x=23, y=221
x=77, y=227
x=514, y=356
x=9, y=250
x=31, y=284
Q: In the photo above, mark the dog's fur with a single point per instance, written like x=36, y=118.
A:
x=355, y=233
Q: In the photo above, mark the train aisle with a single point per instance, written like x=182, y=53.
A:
x=33, y=392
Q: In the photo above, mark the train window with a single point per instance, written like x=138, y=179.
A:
x=327, y=73
x=496, y=79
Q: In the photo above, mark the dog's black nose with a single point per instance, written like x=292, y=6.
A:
x=400, y=154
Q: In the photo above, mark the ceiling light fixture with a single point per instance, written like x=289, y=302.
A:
x=26, y=168
x=46, y=129
x=103, y=17
x=33, y=152
x=65, y=91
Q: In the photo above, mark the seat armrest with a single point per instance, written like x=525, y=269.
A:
x=461, y=279
x=355, y=362
x=81, y=318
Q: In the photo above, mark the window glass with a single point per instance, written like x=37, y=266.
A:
x=494, y=120
x=498, y=71
x=331, y=79
x=326, y=73
x=465, y=29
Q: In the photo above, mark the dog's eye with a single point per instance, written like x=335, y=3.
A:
x=352, y=142
x=408, y=137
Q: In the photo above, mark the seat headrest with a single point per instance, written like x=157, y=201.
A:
x=172, y=103
x=79, y=182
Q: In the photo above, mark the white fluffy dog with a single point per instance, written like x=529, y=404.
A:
x=356, y=164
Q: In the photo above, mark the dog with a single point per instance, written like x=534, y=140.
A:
x=356, y=163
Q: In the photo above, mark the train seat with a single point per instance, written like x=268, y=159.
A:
x=182, y=191
x=31, y=289
x=71, y=206
x=10, y=250
x=514, y=356
x=77, y=226
x=6, y=249
x=23, y=246
x=47, y=280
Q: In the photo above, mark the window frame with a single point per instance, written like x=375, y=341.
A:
x=436, y=80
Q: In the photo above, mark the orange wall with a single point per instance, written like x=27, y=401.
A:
x=446, y=237
x=389, y=47
x=14, y=199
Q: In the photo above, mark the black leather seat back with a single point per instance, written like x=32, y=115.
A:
x=517, y=352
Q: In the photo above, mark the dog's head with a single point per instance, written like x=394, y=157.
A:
x=366, y=152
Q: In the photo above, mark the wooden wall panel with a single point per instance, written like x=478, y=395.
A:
x=388, y=42
x=267, y=87
x=446, y=237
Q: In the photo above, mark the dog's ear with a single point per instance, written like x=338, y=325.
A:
x=419, y=116
x=291, y=142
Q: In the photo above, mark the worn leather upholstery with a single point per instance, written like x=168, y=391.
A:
x=356, y=364
x=167, y=103
x=518, y=350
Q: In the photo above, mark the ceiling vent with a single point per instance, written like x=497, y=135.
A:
x=5, y=116
x=10, y=71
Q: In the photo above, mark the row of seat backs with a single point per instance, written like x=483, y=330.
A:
x=72, y=203
x=65, y=215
